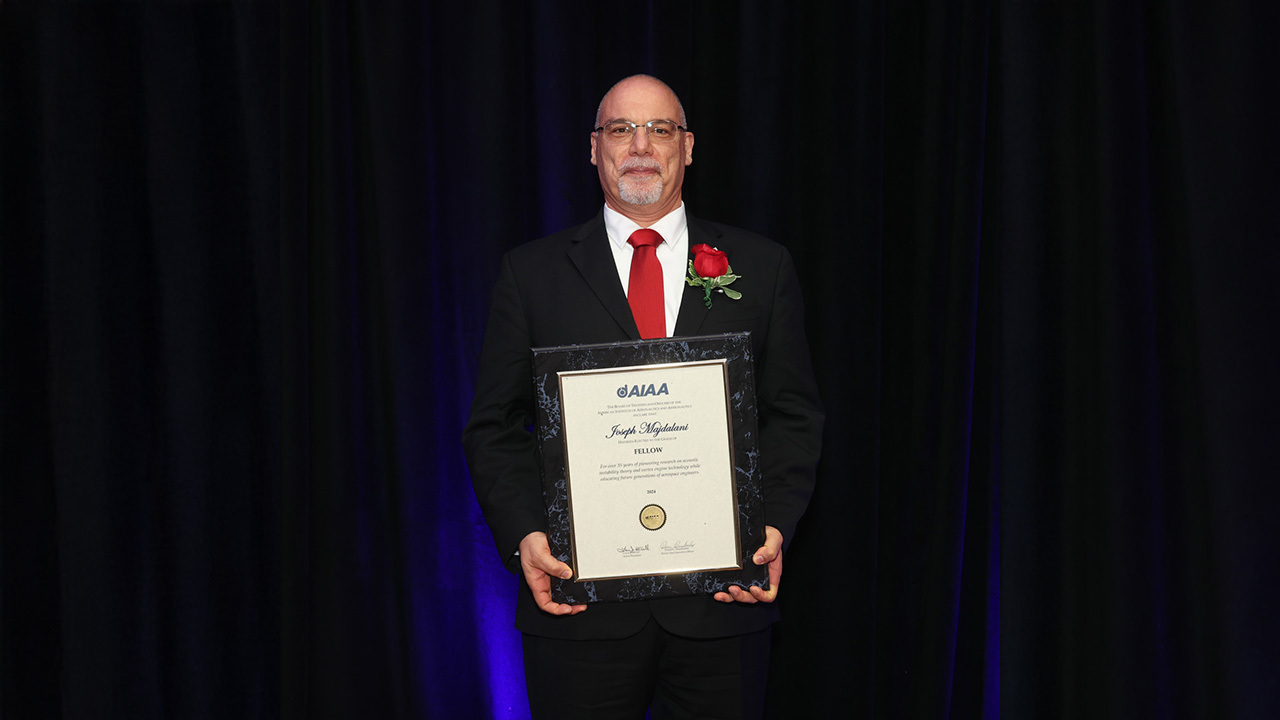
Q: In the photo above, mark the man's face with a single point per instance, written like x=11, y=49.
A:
x=641, y=179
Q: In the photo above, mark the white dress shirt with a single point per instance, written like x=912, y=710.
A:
x=672, y=254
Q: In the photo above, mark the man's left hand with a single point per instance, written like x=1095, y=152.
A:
x=771, y=553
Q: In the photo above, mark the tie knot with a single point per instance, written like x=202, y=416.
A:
x=645, y=237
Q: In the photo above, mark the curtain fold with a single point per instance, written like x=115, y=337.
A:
x=140, y=443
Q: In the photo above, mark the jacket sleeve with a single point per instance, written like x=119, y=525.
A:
x=790, y=411
x=497, y=441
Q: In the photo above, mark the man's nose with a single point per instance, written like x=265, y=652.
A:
x=640, y=144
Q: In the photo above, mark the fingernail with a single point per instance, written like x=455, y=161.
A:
x=759, y=559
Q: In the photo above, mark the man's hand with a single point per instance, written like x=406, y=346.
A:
x=538, y=565
x=771, y=553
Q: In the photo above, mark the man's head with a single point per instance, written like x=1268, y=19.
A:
x=641, y=175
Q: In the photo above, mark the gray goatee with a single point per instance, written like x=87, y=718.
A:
x=640, y=192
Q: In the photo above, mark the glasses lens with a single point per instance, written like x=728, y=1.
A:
x=662, y=131
x=618, y=131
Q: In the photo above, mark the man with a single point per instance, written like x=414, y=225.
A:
x=690, y=656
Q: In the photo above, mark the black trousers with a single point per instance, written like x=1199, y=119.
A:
x=653, y=670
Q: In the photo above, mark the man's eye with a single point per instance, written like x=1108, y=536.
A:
x=619, y=130
x=660, y=130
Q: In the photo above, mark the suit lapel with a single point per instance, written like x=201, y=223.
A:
x=693, y=309
x=590, y=253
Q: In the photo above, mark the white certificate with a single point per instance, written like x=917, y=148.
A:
x=649, y=469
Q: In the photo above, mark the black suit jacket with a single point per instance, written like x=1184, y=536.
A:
x=563, y=290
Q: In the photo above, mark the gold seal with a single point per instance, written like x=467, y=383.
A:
x=653, y=517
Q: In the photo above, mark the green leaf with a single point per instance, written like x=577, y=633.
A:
x=733, y=294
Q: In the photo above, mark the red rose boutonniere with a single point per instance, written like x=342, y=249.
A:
x=709, y=269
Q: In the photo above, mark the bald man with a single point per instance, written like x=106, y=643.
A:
x=700, y=656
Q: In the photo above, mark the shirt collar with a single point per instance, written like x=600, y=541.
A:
x=620, y=227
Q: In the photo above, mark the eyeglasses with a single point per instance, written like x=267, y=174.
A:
x=621, y=131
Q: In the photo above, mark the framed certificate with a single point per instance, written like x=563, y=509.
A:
x=650, y=466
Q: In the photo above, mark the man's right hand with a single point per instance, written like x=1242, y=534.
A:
x=538, y=565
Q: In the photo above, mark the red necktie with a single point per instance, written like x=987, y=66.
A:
x=644, y=291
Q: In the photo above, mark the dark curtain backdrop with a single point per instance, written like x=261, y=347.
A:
x=247, y=251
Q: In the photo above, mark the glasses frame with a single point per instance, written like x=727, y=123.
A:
x=636, y=126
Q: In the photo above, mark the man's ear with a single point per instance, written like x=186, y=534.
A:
x=593, y=148
x=688, y=148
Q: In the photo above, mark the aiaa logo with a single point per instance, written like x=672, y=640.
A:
x=642, y=390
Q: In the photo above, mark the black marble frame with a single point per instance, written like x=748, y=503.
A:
x=735, y=349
